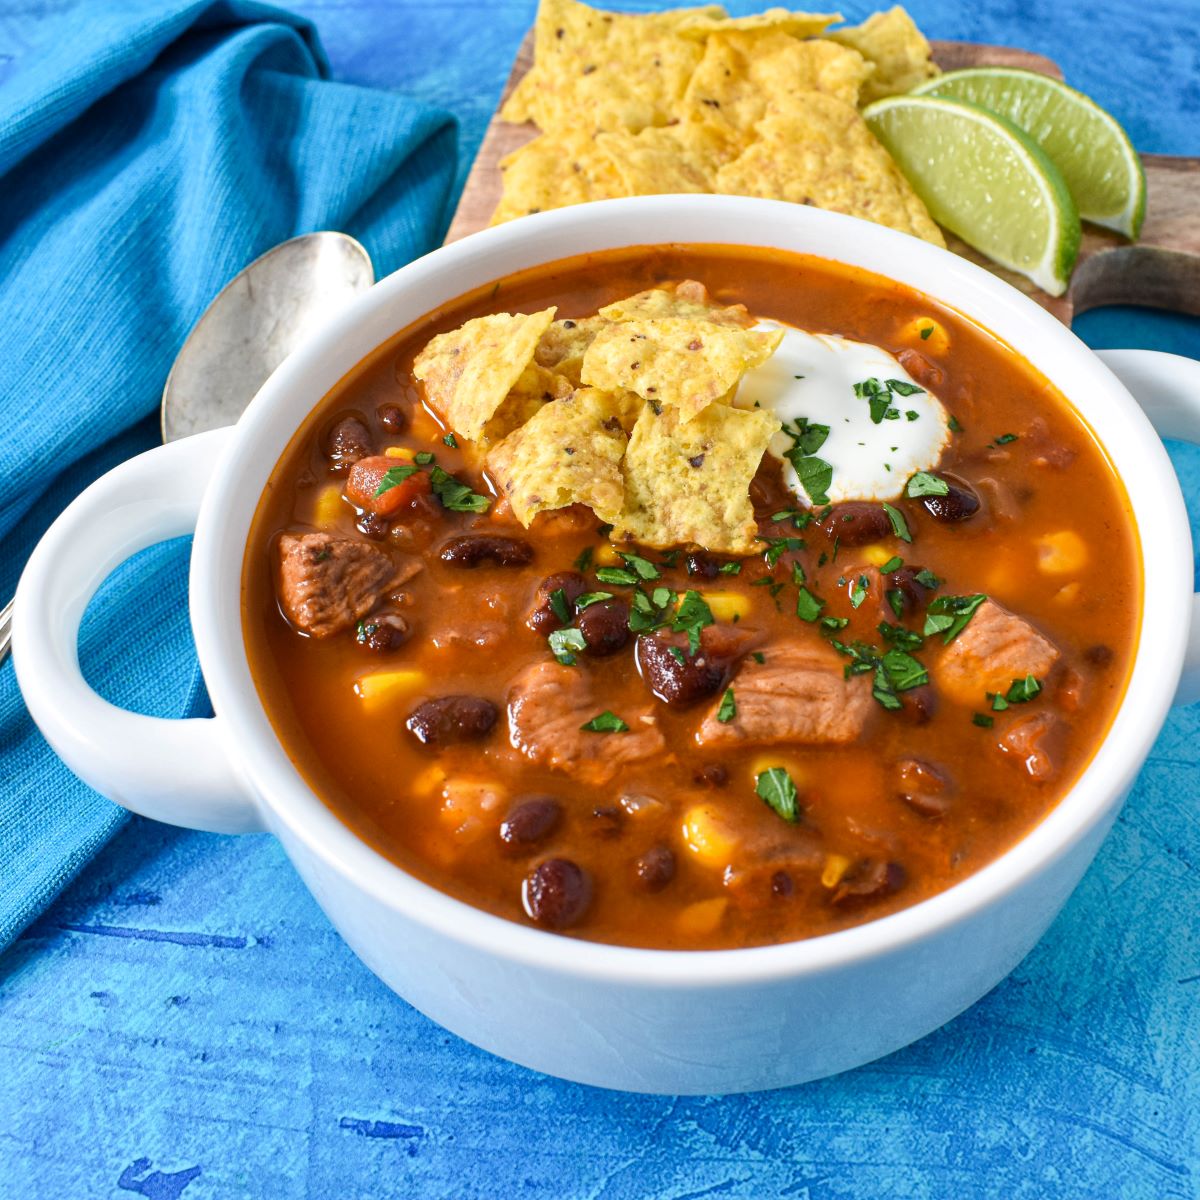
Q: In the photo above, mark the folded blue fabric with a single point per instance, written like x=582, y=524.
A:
x=147, y=153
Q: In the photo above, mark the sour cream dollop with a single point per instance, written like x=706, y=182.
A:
x=813, y=377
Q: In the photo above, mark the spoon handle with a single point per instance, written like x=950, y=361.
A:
x=5, y=630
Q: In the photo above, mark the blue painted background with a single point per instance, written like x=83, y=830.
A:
x=184, y=1023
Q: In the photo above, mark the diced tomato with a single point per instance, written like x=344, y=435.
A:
x=400, y=488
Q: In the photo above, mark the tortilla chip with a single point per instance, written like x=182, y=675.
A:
x=679, y=361
x=821, y=152
x=654, y=162
x=469, y=372
x=518, y=108
x=744, y=76
x=597, y=70
x=568, y=453
x=687, y=482
x=891, y=41
x=564, y=344
x=686, y=299
x=774, y=20
x=554, y=171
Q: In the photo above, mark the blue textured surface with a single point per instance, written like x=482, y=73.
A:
x=184, y=1023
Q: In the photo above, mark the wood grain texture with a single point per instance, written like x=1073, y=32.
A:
x=1162, y=270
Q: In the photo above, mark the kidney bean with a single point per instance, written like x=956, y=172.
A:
x=654, y=869
x=474, y=549
x=347, y=442
x=542, y=618
x=959, y=503
x=605, y=626
x=712, y=775
x=392, y=417
x=556, y=893
x=922, y=787
x=608, y=821
x=1098, y=655
x=449, y=719
x=914, y=592
x=371, y=524
x=920, y=703
x=782, y=885
x=383, y=632
x=702, y=566
x=857, y=523
x=529, y=822
x=868, y=879
x=677, y=679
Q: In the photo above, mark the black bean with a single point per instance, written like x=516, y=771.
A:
x=474, y=549
x=605, y=626
x=371, y=524
x=920, y=703
x=348, y=441
x=1098, y=655
x=959, y=503
x=608, y=821
x=678, y=678
x=857, y=523
x=913, y=592
x=712, y=775
x=782, y=885
x=392, y=417
x=529, y=822
x=868, y=879
x=450, y=719
x=654, y=869
x=703, y=566
x=383, y=633
x=556, y=893
x=542, y=618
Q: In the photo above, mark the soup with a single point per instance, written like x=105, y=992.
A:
x=872, y=679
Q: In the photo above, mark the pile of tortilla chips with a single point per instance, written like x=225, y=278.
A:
x=628, y=412
x=692, y=100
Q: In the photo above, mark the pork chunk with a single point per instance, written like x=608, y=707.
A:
x=326, y=583
x=548, y=703
x=995, y=648
x=798, y=693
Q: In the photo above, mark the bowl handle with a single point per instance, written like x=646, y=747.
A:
x=175, y=771
x=1167, y=386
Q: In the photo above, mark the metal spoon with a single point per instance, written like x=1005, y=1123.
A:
x=258, y=318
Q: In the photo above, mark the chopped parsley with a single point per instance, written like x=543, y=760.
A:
x=807, y=437
x=759, y=657
x=901, y=387
x=953, y=424
x=587, y=598
x=584, y=561
x=692, y=616
x=858, y=593
x=605, y=722
x=926, y=332
x=731, y=568
x=912, y=415
x=560, y=606
x=815, y=475
x=616, y=575
x=777, y=547
x=798, y=518
x=451, y=441
x=926, y=578
x=777, y=791
x=564, y=643
x=798, y=575
x=456, y=495
x=925, y=484
x=948, y=615
x=1023, y=690
x=879, y=397
x=648, y=613
x=423, y=459
x=895, y=599
x=906, y=639
x=642, y=567
x=394, y=477
x=728, y=708
x=677, y=654
x=829, y=624
x=899, y=524
x=983, y=720
x=893, y=564
x=808, y=607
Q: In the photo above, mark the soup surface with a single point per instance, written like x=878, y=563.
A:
x=673, y=748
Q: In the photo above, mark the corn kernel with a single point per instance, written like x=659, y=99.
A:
x=425, y=782
x=707, y=834
x=382, y=688
x=327, y=507
x=606, y=556
x=727, y=606
x=1061, y=553
x=936, y=340
x=702, y=917
x=834, y=869
x=875, y=555
x=403, y=452
x=1068, y=593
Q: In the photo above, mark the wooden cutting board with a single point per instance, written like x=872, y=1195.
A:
x=1162, y=270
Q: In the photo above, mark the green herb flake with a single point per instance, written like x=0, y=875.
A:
x=893, y=564
x=759, y=657
x=926, y=578
x=777, y=547
x=899, y=524
x=911, y=414
x=895, y=599
x=953, y=425
x=926, y=332
x=728, y=709
x=423, y=459
x=858, y=593
x=451, y=441
x=560, y=606
x=692, y=615
x=949, y=615
x=829, y=624
x=1023, y=690
x=775, y=788
x=815, y=475
x=808, y=607
x=798, y=575
x=1005, y=438
x=394, y=477
x=590, y=598
x=897, y=635
x=456, y=495
x=731, y=568
x=642, y=567
x=999, y=704
x=565, y=643
x=583, y=563
x=606, y=722
x=925, y=484
x=618, y=576
x=901, y=387
x=677, y=654
x=982, y=720
x=807, y=438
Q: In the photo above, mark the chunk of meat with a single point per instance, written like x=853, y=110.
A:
x=995, y=648
x=1026, y=740
x=547, y=704
x=798, y=693
x=326, y=583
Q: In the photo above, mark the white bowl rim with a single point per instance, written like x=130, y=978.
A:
x=294, y=811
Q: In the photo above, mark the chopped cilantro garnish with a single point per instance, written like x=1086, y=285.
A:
x=953, y=424
x=999, y=704
x=893, y=564
x=670, y=557
x=1023, y=690
x=423, y=459
x=564, y=643
x=906, y=639
x=776, y=789
x=451, y=441
x=643, y=567
x=560, y=606
x=589, y=598
x=901, y=387
x=899, y=524
x=606, y=722
x=815, y=475
x=911, y=414
x=925, y=484
x=808, y=607
x=692, y=615
x=616, y=575
x=661, y=597
x=777, y=547
x=456, y=495
x=584, y=561
x=858, y=593
x=798, y=518
x=728, y=709
x=394, y=477
x=1004, y=439
x=948, y=615
x=926, y=332
x=982, y=720
x=759, y=657
x=895, y=599
x=903, y=671
x=831, y=623
x=798, y=575
x=731, y=568
x=926, y=578
x=677, y=654
x=807, y=437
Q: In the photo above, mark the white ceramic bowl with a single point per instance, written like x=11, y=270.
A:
x=641, y=1020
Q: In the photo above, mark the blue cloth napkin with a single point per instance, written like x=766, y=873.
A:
x=149, y=151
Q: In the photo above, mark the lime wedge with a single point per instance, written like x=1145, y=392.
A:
x=984, y=179
x=1092, y=151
